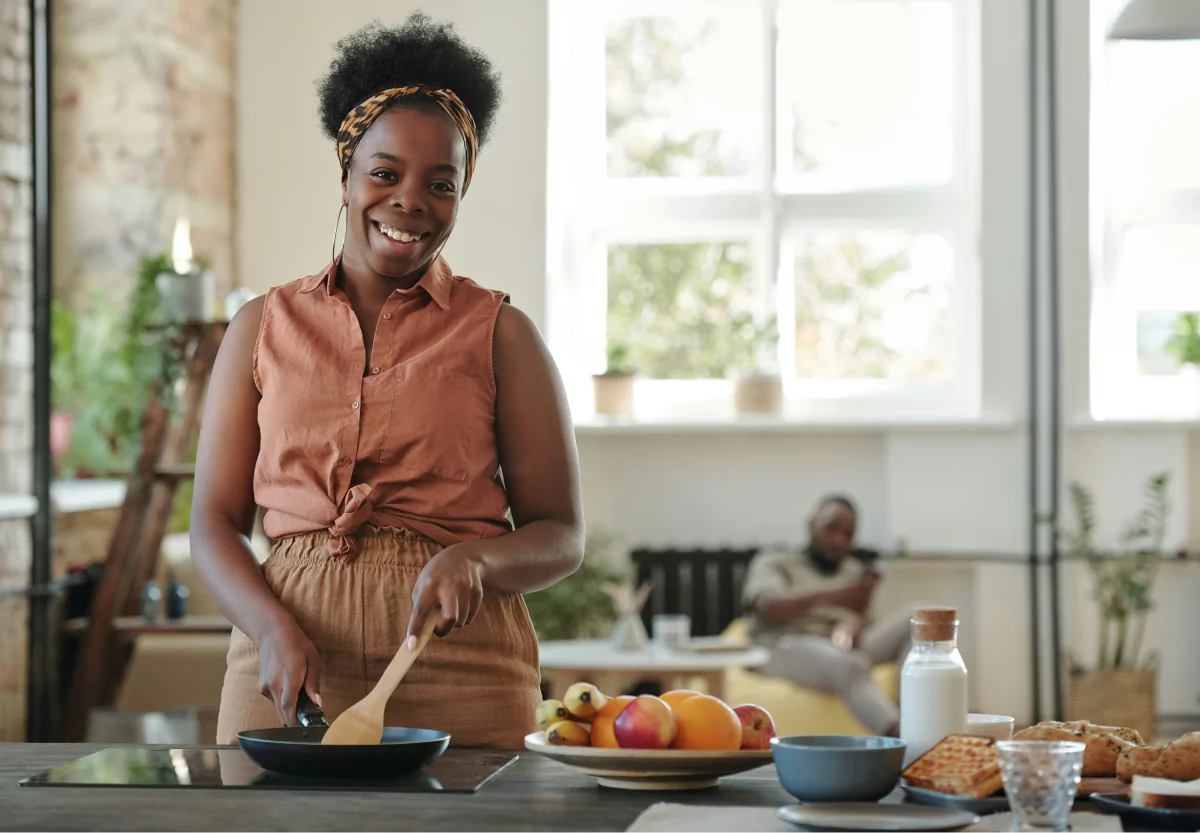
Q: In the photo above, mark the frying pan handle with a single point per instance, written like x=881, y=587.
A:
x=308, y=712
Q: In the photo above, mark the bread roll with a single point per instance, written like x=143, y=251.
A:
x=1179, y=760
x=1101, y=749
x=1128, y=735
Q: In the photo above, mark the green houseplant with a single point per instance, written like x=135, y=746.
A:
x=104, y=363
x=96, y=394
x=1184, y=343
x=581, y=605
x=758, y=388
x=1121, y=688
x=614, y=387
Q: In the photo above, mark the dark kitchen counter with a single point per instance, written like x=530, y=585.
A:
x=535, y=793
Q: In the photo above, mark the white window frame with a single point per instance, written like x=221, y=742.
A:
x=1116, y=390
x=587, y=211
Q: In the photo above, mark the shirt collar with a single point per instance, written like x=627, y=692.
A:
x=437, y=281
x=320, y=279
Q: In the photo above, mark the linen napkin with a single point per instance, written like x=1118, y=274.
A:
x=1079, y=822
x=689, y=818
x=684, y=818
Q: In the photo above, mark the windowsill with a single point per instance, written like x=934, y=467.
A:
x=624, y=426
x=67, y=496
x=86, y=495
x=15, y=507
x=1127, y=424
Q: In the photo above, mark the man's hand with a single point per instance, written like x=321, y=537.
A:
x=848, y=635
x=857, y=596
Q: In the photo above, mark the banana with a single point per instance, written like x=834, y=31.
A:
x=583, y=700
x=550, y=712
x=568, y=733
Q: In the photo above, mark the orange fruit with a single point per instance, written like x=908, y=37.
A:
x=602, y=721
x=704, y=722
x=674, y=698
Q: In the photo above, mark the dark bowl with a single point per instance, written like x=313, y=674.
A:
x=298, y=751
x=838, y=767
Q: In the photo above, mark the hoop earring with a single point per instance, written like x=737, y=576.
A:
x=333, y=245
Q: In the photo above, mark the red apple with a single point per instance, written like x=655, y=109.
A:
x=646, y=723
x=757, y=726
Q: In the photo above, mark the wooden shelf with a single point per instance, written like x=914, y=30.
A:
x=131, y=626
x=168, y=430
x=167, y=471
x=177, y=471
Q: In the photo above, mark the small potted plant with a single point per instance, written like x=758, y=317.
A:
x=582, y=604
x=758, y=387
x=1121, y=689
x=1184, y=343
x=614, y=387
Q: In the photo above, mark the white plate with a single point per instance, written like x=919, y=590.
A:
x=651, y=769
x=865, y=816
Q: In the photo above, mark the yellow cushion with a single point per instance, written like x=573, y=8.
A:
x=798, y=710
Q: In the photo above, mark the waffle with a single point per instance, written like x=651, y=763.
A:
x=962, y=765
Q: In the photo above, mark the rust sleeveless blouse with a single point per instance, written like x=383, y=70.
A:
x=408, y=441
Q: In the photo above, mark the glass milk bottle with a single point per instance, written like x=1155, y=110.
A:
x=933, y=683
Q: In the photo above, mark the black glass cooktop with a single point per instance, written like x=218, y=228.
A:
x=227, y=767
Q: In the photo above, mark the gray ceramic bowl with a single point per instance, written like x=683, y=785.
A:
x=838, y=767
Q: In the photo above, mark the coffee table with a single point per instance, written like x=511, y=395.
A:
x=599, y=662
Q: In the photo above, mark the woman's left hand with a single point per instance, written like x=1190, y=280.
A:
x=451, y=587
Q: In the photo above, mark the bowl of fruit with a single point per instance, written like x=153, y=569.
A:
x=683, y=740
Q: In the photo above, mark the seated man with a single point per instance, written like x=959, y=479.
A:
x=812, y=609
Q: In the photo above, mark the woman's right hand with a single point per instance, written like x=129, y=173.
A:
x=287, y=660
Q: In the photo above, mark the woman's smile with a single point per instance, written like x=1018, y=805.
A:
x=401, y=238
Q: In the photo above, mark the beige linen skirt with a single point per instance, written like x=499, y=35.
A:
x=480, y=683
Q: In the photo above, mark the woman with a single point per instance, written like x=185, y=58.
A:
x=370, y=409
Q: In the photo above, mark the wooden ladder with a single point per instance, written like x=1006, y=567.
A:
x=169, y=425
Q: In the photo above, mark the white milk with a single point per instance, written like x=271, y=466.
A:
x=933, y=704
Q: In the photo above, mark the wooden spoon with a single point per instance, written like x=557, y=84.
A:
x=362, y=723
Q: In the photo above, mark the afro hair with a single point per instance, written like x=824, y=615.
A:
x=377, y=58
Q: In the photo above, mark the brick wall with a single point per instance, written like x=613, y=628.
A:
x=16, y=372
x=143, y=129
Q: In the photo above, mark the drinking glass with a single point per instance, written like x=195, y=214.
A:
x=1041, y=779
x=671, y=631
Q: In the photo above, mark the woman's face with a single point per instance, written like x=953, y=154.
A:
x=402, y=190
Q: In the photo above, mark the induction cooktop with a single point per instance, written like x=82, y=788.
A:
x=227, y=767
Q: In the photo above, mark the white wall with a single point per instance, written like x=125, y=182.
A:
x=940, y=488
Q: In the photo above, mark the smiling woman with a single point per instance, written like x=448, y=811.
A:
x=370, y=409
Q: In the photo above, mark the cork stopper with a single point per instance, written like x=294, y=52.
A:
x=934, y=624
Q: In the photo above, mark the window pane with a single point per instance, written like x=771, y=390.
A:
x=873, y=305
x=682, y=310
x=1152, y=115
x=676, y=105
x=866, y=93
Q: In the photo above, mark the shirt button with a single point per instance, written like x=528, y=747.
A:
x=355, y=406
x=387, y=315
x=345, y=461
x=374, y=369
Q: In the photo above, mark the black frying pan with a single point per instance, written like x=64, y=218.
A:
x=297, y=750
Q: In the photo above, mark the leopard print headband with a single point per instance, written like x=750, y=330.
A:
x=360, y=119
